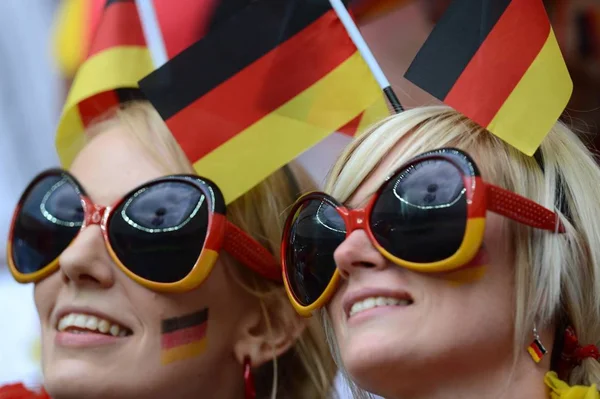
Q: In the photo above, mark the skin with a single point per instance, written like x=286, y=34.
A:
x=111, y=165
x=454, y=340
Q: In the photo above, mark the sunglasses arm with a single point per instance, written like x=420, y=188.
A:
x=251, y=253
x=521, y=209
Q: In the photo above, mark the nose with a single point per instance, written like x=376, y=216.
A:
x=86, y=261
x=357, y=253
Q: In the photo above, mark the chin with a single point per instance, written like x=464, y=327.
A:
x=74, y=378
x=378, y=358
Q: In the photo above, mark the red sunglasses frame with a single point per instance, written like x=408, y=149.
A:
x=480, y=197
x=220, y=234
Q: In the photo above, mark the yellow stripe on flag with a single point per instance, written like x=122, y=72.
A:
x=291, y=129
x=547, y=86
x=183, y=352
x=118, y=67
x=375, y=113
x=69, y=35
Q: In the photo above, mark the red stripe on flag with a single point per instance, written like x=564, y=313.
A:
x=184, y=24
x=91, y=107
x=119, y=26
x=501, y=61
x=241, y=100
x=351, y=127
x=183, y=337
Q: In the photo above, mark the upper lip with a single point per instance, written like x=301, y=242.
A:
x=350, y=298
x=87, y=311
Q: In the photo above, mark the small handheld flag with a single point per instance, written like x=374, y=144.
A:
x=261, y=88
x=498, y=63
x=120, y=52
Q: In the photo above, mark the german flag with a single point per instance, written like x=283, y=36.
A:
x=266, y=85
x=117, y=56
x=75, y=22
x=184, y=337
x=536, y=350
x=182, y=22
x=498, y=63
x=368, y=117
x=117, y=59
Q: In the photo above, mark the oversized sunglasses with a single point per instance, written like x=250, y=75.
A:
x=429, y=216
x=166, y=234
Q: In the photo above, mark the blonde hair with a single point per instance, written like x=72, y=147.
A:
x=306, y=370
x=556, y=275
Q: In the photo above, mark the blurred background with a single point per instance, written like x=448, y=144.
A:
x=35, y=76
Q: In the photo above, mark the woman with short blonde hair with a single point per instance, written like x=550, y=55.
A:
x=450, y=265
x=162, y=294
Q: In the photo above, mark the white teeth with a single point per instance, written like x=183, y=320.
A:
x=80, y=321
x=114, y=330
x=373, y=302
x=103, y=326
x=92, y=324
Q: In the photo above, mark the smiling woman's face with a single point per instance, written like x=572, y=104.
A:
x=89, y=295
x=401, y=331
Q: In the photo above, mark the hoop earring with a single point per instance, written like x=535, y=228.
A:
x=248, y=380
x=536, y=349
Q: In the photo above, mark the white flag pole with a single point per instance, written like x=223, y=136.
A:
x=366, y=53
x=152, y=33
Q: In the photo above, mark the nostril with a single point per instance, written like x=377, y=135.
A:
x=365, y=264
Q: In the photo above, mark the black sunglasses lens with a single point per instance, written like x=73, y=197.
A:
x=48, y=219
x=158, y=232
x=421, y=213
x=315, y=233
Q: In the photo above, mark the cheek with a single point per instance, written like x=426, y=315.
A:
x=45, y=296
x=335, y=310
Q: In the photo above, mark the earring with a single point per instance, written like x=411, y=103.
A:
x=536, y=349
x=248, y=380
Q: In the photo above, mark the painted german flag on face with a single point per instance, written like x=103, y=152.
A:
x=184, y=337
x=266, y=85
x=498, y=63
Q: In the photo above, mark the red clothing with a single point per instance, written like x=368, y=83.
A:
x=19, y=391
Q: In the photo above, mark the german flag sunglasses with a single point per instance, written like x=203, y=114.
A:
x=429, y=217
x=165, y=235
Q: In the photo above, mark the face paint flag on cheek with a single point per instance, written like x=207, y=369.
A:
x=184, y=337
x=498, y=63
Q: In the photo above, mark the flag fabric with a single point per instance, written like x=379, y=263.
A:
x=269, y=83
x=182, y=22
x=368, y=117
x=367, y=10
x=498, y=63
x=117, y=57
x=75, y=22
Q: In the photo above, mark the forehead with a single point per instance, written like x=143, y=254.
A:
x=112, y=164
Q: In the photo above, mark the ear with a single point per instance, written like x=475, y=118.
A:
x=267, y=331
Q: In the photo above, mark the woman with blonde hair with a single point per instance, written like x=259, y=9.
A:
x=147, y=286
x=450, y=265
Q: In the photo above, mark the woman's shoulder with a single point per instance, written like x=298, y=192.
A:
x=561, y=390
x=20, y=391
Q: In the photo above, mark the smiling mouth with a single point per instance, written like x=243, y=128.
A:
x=375, y=302
x=79, y=323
